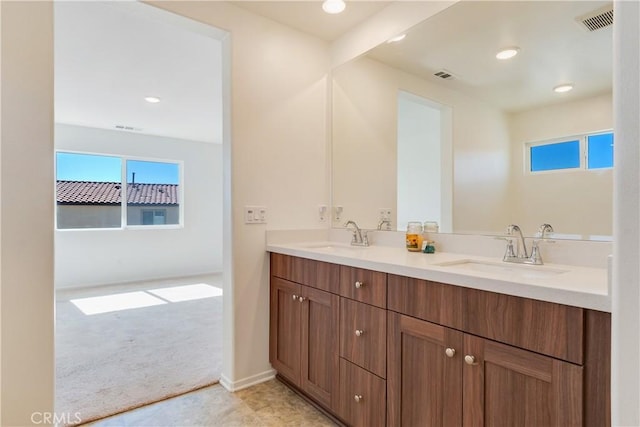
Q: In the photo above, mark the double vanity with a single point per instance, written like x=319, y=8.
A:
x=381, y=336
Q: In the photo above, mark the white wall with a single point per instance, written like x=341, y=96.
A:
x=26, y=210
x=625, y=360
x=94, y=257
x=575, y=202
x=364, y=147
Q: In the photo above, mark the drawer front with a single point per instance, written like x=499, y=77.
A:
x=431, y=301
x=362, y=396
x=364, y=285
x=318, y=274
x=363, y=335
x=544, y=327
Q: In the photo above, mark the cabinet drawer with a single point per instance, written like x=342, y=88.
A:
x=362, y=396
x=544, y=327
x=318, y=274
x=364, y=285
x=431, y=301
x=363, y=334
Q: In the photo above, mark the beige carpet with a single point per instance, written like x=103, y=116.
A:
x=111, y=362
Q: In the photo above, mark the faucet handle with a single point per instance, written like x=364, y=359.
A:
x=509, y=252
x=536, y=258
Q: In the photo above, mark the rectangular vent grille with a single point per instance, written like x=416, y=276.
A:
x=444, y=74
x=596, y=20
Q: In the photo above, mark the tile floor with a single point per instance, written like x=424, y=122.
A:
x=269, y=404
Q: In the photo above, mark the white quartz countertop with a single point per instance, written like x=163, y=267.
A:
x=564, y=284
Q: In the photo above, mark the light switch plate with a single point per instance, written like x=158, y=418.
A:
x=255, y=214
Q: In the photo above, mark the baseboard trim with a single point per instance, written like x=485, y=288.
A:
x=246, y=382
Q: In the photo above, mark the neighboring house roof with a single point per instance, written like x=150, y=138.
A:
x=109, y=193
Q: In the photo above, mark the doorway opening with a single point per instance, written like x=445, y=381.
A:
x=424, y=186
x=139, y=206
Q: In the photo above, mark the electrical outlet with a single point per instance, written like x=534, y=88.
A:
x=322, y=213
x=337, y=213
x=384, y=214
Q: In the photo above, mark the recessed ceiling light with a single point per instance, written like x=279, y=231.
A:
x=563, y=88
x=333, y=6
x=396, y=38
x=152, y=99
x=508, y=52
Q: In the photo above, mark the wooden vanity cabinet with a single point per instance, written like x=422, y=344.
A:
x=510, y=361
x=304, y=339
x=379, y=349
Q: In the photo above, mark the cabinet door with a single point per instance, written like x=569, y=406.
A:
x=319, y=351
x=509, y=386
x=424, y=377
x=363, y=335
x=362, y=396
x=284, y=328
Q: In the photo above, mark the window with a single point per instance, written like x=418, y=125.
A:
x=582, y=152
x=600, y=151
x=154, y=217
x=90, y=189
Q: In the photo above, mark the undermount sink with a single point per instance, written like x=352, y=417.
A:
x=520, y=270
x=332, y=247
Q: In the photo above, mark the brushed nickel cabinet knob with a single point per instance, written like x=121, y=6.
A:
x=357, y=398
x=359, y=332
x=470, y=360
x=359, y=284
x=450, y=352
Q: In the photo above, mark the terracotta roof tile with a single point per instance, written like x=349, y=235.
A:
x=109, y=193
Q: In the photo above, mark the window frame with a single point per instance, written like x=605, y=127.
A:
x=582, y=138
x=123, y=182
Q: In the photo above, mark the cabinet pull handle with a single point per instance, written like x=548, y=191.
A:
x=301, y=299
x=357, y=398
x=470, y=360
x=359, y=332
x=359, y=284
x=450, y=352
x=295, y=297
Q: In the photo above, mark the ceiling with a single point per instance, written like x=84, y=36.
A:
x=308, y=16
x=108, y=58
x=554, y=49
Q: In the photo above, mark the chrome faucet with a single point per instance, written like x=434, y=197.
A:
x=360, y=238
x=511, y=255
x=382, y=222
x=514, y=228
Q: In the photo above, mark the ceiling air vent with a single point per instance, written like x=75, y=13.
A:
x=123, y=127
x=600, y=18
x=444, y=74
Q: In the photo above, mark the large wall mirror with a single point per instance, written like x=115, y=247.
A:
x=436, y=128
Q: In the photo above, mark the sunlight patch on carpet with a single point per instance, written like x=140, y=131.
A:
x=187, y=292
x=116, y=302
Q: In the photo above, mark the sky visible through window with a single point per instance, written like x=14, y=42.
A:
x=88, y=167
